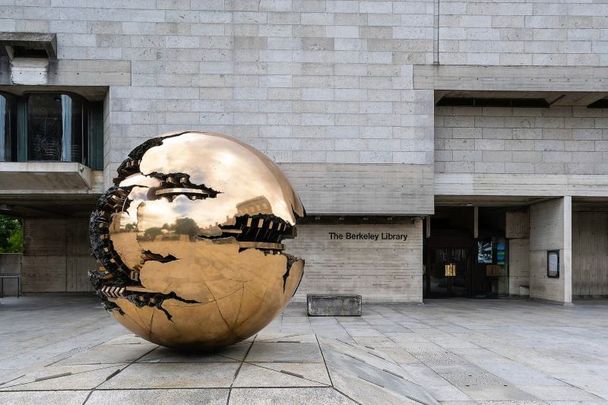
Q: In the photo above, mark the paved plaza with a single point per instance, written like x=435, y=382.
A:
x=67, y=350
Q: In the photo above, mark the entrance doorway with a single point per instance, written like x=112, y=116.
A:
x=449, y=262
x=462, y=261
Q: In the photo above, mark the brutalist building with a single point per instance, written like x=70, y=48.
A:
x=453, y=148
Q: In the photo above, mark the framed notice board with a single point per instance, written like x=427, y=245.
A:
x=553, y=263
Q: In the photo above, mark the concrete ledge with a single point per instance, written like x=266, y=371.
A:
x=43, y=41
x=333, y=305
x=511, y=78
x=75, y=73
x=28, y=177
x=532, y=185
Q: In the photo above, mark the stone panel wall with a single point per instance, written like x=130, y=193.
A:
x=307, y=82
x=381, y=271
x=507, y=32
x=557, y=140
x=56, y=255
x=590, y=252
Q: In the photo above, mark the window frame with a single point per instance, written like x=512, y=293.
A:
x=91, y=123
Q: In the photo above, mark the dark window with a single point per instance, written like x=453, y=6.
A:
x=51, y=127
x=55, y=127
x=493, y=102
x=8, y=142
x=601, y=103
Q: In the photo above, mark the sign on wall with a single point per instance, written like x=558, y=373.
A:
x=368, y=236
x=553, y=263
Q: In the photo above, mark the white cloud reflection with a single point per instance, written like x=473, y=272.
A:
x=238, y=172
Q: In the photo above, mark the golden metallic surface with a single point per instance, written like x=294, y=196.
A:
x=190, y=241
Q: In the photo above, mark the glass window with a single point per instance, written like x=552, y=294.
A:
x=55, y=127
x=73, y=121
x=8, y=144
x=51, y=127
x=44, y=127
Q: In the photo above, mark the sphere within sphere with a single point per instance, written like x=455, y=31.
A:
x=189, y=241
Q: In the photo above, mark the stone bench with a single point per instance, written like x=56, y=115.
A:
x=333, y=305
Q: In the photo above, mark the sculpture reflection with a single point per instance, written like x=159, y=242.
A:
x=189, y=240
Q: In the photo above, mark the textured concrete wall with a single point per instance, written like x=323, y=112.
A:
x=327, y=89
x=590, y=253
x=56, y=255
x=380, y=271
x=518, y=234
x=10, y=263
x=311, y=83
x=558, y=140
x=551, y=229
x=315, y=84
x=519, y=265
x=567, y=33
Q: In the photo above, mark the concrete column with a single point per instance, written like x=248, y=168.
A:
x=551, y=229
x=518, y=234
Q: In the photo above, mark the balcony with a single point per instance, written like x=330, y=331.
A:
x=50, y=142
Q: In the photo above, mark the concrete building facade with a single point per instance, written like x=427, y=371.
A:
x=479, y=129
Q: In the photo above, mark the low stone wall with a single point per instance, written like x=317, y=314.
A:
x=57, y=255
x=10, y=263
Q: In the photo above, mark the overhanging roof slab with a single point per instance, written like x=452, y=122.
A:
x=45, y=177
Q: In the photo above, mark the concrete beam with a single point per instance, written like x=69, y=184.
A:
x=47, y=177
x=91, y=93
x=512, y=78
x=553, y=98
x=524, y=185
x=76, y=72
x=578, y=99
x=44, y=41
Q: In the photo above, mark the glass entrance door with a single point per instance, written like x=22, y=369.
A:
x=448, y=272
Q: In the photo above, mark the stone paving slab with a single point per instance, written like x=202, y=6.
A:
x=43, y=397
x=111, y=352
x=360, y=374
x=493, y=352
x=274, y=337
x=559, y=392
x=282, y=375
x=160, y=397
x=367, y=376
x=58, y=377
x=285, y=352
x=292, y=396
x=232, y=354
x=174, y=375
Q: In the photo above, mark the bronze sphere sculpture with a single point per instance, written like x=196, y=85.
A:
x=189, y=241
